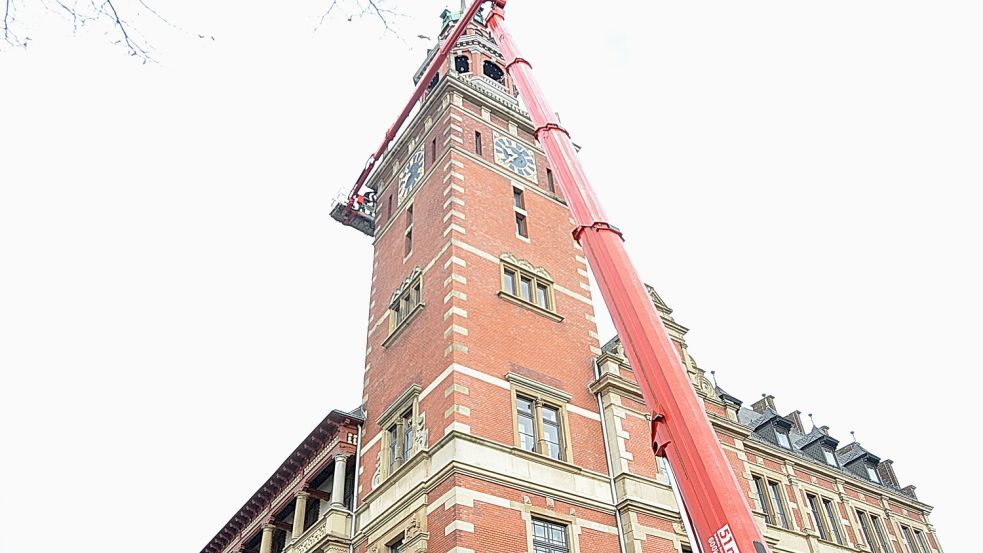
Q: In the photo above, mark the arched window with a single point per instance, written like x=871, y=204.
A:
x=462, y=64
x=433, y=83
x=494, y=72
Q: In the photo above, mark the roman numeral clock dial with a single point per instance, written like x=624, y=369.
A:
x=411, y=173
x=515, y=156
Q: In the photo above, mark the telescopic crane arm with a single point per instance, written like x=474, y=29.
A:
x=681, y=432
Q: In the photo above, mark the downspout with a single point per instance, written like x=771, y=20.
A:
x=607, y=459
x=358, y=460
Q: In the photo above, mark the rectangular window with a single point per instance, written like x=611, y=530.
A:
x=408, y=239
x=817, y=515
x=509, y=281
x=775, y=491
x=909, y=539
x=539, y=427
x=830, y=457
x=872, y=473
x=834, y=520
x=549, y=181
x=394, y=459
x=549, y=537
x=525, y=288
x=517, y=198
x=551, y=431
x=543, y=296
x=406, y=299
x=396, y=546
x=759, y=487
x=433, y=150
x=881, y=533
x=530, y=286
x=389, y=208
x=527, y=426
x=782, y=436
x=520, y=225
x=868, y=534
x=922, y=542
x=477, y=142
x=407, y=422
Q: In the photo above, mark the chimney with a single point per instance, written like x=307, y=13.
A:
x=886, y=471
x=796, y=418
x=766, y=402
x=909, y=491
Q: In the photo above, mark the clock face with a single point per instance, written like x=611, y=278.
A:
x=515, y=156
x=411, y=174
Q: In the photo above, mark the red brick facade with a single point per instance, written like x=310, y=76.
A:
x=451, y=354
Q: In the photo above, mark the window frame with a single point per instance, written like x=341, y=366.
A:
x=834, y=518
x=881, y=532
x=541, y=396
x=775, y=494
x=909, y=538
x=829, y=454
x=872, y=472
x=865, y=529
x=923, y=544
x=393, y=423
x=516, y=272
x=547, y=545
x=477, y=143
x=817, y=514
x=761, y=490
x=405, y=304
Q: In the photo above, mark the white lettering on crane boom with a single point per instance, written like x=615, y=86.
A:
x=723, y=541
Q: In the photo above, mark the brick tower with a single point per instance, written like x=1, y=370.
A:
x=491, y=421
x=481, y=432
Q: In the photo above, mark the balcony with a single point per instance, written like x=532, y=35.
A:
x=330, y=534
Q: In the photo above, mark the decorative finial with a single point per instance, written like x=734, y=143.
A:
x=713, y=374
x=854, y=436
x=812, y=421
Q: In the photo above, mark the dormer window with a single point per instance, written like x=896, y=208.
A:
x=493, y=72
x=782, y=436
x=462, y=64
x=872, y=473
x=830, y=457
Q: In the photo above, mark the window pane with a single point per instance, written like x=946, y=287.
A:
x=542, y=296
x=393, y=446
x=922, y=542
x=865, y=528
x=509, y=281
x=760, y=487
x=525, y=290
x=820, y=525
x=881, y=533
x=783, y=439
x=834, y=520
x=407, y=434
x=549, y=537
x=776, y=498
x=524, y=405
x=872, y=473
x=830, y=457
x=518, y=199
x=520, y=225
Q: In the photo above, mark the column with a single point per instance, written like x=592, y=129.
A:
x=300, y=512
x=266, y=545
x=338, y=484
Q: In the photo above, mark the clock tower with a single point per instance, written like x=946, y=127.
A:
x=481, y=432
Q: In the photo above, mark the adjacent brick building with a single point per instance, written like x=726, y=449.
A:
x=492, y=418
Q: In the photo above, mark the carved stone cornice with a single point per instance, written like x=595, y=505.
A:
x=526, y=266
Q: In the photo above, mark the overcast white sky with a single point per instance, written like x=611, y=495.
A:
x=800, y=181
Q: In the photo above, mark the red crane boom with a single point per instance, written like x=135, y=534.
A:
x=717, y=508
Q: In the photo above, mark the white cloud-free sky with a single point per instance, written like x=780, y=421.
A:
x=799, y=180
